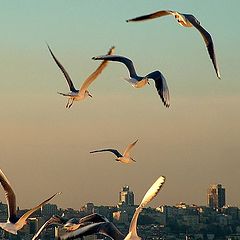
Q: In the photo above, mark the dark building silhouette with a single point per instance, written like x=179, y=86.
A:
x=126, y=197
x=216, y=196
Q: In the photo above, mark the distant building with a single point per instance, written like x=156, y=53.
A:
x=49, y=209
x=126, y=197
x=216, y=196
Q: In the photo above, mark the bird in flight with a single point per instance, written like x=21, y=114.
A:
x=186, y=20
x=15, y=223
x=123, y=158
x=70, y=224
x=109, y=229
x=148, y=197
x=74, y=94
x=139, y=81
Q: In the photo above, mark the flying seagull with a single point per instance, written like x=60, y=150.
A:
x=74, y=94
x=148, y=197
x=138, y=81
x=125, y=158
x=109, y=229
x=70, y=224
x=14, y=223
x=186, y=20
x=74, y=223
x=105, y=228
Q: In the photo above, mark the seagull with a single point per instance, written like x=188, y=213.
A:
x=109, y=229
x=125, y=158
x=74, y=223
x=148, y=197
x=186, y=20
x=70, y=224
x=14, y=223
x=105, y=228
x=138, y=81
x=74, y=94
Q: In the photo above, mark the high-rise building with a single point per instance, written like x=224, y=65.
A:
x=216, y=196
x=126, y=197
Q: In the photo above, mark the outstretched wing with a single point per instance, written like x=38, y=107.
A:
x=10, y=197
x=94, y=75
x=150, y=16
x=128, y=63
x=161, y=86
x=105, y=228
x=207, y=39
x=114, y=151
x=69, y=81
x=53, y=220
x=148, y=197
x=129, y=147
x=93, y=218
x=25, y=216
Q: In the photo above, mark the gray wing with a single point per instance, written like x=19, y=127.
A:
x=10, y=197
x=114, y=151
x=94, y=218
x=128, y=63
x=150, y=16
x=69, y=81
x=53, y=220
x=105, y=228
x=161, y=85
x=207, y=39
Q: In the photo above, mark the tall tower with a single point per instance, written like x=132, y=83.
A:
x=216, y=196
x=126, y=197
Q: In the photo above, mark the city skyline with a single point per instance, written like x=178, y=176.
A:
x=45, y=148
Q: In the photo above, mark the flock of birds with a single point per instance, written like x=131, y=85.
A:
x=95, y=223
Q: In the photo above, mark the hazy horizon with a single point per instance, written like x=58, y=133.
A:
x=45, y=147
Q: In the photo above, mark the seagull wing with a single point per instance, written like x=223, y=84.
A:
x=114, y=151
x=69, y=81
x=148, y=197
x=25, y=216
x=150, y=16
x=94, y=75
x=129, y=147
x=161, y=85
x=94, y=218
x=128, y=63
x=105, y=228
x=10, y=197
x=53, y=220
x=207, y=39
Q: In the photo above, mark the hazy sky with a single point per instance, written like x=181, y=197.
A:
x=45, y=148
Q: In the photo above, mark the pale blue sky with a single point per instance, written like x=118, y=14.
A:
x=194, y=143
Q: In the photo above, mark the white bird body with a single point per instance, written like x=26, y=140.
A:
x=76, y=96
x=136, y=83
x=125, y=160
